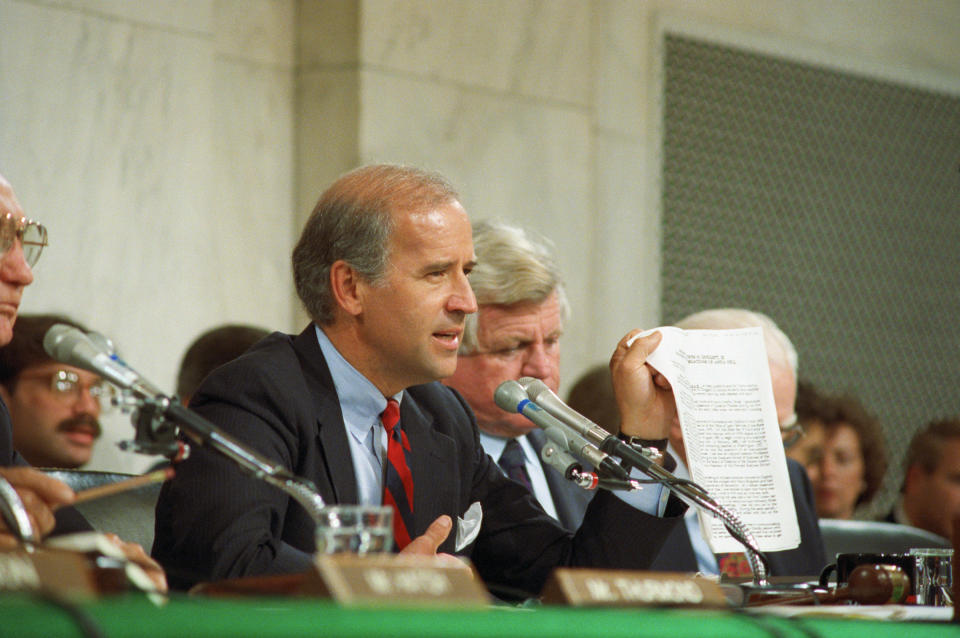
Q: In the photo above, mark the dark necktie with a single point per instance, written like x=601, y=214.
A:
x=512, y=462
x=398, y=486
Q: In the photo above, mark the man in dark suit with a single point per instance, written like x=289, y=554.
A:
x=686, y=550
x=381, y=267
x=516, y=333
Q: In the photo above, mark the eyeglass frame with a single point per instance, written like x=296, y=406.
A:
x=100, y=390
x=13, y=228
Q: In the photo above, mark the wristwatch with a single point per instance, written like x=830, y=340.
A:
x=653, y=449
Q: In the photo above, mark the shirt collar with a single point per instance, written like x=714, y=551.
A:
x=360, y=401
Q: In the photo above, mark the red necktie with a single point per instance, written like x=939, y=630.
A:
x=398, y=486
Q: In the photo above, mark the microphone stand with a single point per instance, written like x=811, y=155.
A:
x=631, y=457
x=692, y=493
x=154, y=409
x=154, y=413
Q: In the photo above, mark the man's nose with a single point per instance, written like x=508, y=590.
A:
x=538, y=362
x=461, y=297
x=13, y=266
x=86, y=403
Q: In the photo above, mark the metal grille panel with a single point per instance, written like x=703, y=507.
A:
x=830, y=202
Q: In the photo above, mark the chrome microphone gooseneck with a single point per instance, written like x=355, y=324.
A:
x=546, y=400
x=72, y=346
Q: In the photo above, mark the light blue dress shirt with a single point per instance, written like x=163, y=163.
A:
x=361, y=404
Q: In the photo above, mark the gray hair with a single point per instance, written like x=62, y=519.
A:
x=353, y=221
x=780, y=349
x=514, y=265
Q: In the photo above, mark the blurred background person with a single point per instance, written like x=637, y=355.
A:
x=211, y=350
x=931, y=486
x=843, y=451
x=55, y=408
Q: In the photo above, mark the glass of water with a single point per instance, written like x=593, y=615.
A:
x=933, y=576
x=355, y=529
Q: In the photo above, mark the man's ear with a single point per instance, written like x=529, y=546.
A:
x=345, y=284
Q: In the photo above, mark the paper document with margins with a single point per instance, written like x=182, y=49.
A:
x=721, y=382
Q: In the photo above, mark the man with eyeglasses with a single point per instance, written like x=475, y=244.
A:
x=54, y=407
x=21, y=241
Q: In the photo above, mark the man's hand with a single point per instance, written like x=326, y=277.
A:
x=427, y=544
x=40, y=495
x=644, y=396
x=135, y=554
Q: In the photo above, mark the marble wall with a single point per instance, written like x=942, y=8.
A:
x=174, y=147
x=155, y=141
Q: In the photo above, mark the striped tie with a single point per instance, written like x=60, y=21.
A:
x=398, y=487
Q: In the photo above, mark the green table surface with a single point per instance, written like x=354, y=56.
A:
x=135, y=616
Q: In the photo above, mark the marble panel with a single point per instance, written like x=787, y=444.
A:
x=329, y=33
x=187, y=15
x=262, y=31
x=251, y=221
x=328, y=115
x=106, y=133
x=511, y=159
x=522, y=47
x=622, y=40
x=626, y=260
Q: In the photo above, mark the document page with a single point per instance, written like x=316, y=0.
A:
x=721, y=383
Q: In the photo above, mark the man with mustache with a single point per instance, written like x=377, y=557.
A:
x=54, y=407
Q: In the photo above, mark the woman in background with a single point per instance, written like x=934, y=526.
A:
x=843, y=451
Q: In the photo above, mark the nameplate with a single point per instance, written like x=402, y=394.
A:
x=394, y=580
x=60, y=572
x=616, y=588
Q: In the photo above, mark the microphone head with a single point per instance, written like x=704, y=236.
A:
x=60, y=341
x=534, y=388
x=509, y=395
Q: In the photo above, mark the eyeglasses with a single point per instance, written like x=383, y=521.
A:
x=32, y=235
x=67, y=387
x=791, y=430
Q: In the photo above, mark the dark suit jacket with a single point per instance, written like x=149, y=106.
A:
x=68, y=519
x=215, y=522
x=570, y=500
x=806, y=560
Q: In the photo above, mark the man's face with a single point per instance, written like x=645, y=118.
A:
x=54, y=427
x=15, y=274
x=521, y=340
x=411, y=323
x=932, y=500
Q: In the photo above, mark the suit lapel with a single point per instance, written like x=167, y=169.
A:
x=431, y=462
x=338, y=484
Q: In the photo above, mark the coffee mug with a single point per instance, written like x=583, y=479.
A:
x=846, y=563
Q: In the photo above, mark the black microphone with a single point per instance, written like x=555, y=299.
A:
x=510, y=396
